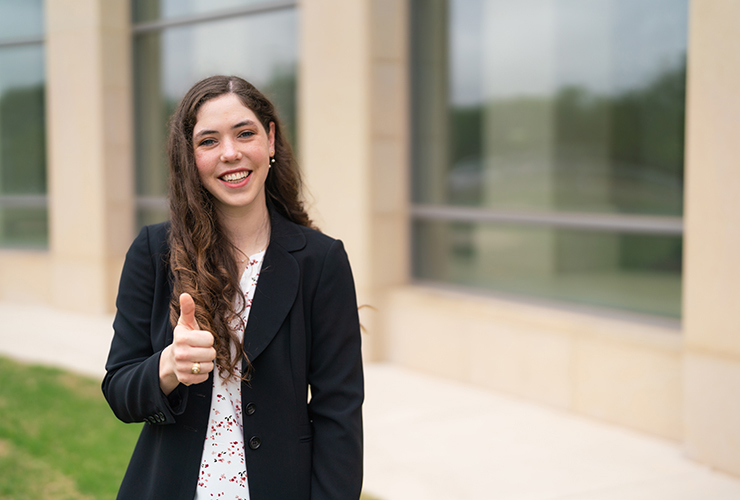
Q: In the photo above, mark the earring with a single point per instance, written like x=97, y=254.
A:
x=272, y=160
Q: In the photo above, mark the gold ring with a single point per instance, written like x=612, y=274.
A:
x=195, y=370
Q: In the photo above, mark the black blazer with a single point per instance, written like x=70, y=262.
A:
x=303, y=331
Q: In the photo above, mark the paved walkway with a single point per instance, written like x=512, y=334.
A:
x=428, y=438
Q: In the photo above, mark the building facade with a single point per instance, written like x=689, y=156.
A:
x=540, y=197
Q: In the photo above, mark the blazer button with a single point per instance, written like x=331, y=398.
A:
x=254, y=442
x=251, y=408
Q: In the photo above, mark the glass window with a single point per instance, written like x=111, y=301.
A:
x=23, y=210
x=636, y=272
x=153, y=10
x=21, y=19
x=262, y=48
x=550, y=108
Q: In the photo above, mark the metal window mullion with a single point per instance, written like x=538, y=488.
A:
x=23, y=201
x=152, y=202
x=625, y=223
x=260, y=8
x=21, y=41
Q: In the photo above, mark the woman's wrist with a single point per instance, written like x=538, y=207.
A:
x=167, y=377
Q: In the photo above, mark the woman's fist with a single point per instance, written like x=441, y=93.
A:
x=189, y=359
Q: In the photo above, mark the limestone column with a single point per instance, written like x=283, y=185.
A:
x=352, y=140
x=712, y=239
x=90, y=149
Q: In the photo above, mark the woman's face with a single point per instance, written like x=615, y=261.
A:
x=232, y=153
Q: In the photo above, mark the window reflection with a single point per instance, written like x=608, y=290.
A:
x=23, y=218
x=21, y=19
x=151, y=10
x=24, y=227
x=555, y=105
x=640, y=273
x=22, y=152
x=549, y=107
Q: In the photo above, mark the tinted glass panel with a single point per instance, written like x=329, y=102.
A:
x=23, y=219
x=260, y=48
x=22, y=134
x=21, y=19
x=23, y=227
x=152, y=10
x=632, y=272
x=550, y=105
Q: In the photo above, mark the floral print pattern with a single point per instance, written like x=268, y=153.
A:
x=223, y=468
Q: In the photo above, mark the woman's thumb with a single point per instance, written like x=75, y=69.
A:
x=187, y=312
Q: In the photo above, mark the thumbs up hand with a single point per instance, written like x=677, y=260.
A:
x=189, y=359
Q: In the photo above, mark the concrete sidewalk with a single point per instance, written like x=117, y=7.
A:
x=428, y=438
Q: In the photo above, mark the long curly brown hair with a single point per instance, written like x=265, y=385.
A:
x=201, y=255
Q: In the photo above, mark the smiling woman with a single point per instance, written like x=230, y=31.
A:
x=232, y=153
x=229, y=314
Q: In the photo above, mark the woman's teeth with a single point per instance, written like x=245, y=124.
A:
x=235, y=177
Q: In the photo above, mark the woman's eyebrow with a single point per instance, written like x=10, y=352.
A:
x=243, y=124
x=204, y=132
x=238, y=125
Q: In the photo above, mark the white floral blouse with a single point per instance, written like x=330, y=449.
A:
x=223, y=468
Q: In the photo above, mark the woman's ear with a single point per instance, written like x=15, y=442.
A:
x=271, y=136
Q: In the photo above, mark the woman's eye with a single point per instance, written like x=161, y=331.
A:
x=207, y=142
x=246, y=133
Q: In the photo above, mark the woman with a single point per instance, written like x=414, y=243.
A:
x=228, y=314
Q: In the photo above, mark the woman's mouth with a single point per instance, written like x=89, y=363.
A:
x=236, y=177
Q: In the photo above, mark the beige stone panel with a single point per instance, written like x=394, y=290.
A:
x=389, y=29
x=390, y=250
x=118, y=114
x=389, y=261
x=90, y=147
x=712, y=241
x=71, y=15
x=712, y=411
x=388, y=86
x=442, y=334
x=334, y=122
x=119, y=205
x=487, y=349
x=80, y=284
x=118, y=119
x=630, y=383
x=115, y=15
x=116, y=45
x=388, y=170
x=74, y=109
x=427, y=337
x=526, y=362
x=614, y=368
x=24, y=276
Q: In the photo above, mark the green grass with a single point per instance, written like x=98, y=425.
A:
x=58, y=438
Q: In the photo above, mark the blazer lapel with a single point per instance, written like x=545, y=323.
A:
x=277, y=286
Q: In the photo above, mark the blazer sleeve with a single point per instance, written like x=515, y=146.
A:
x=336, y=380
x=131, y=384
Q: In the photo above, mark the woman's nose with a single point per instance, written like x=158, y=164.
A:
x=229, y=153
